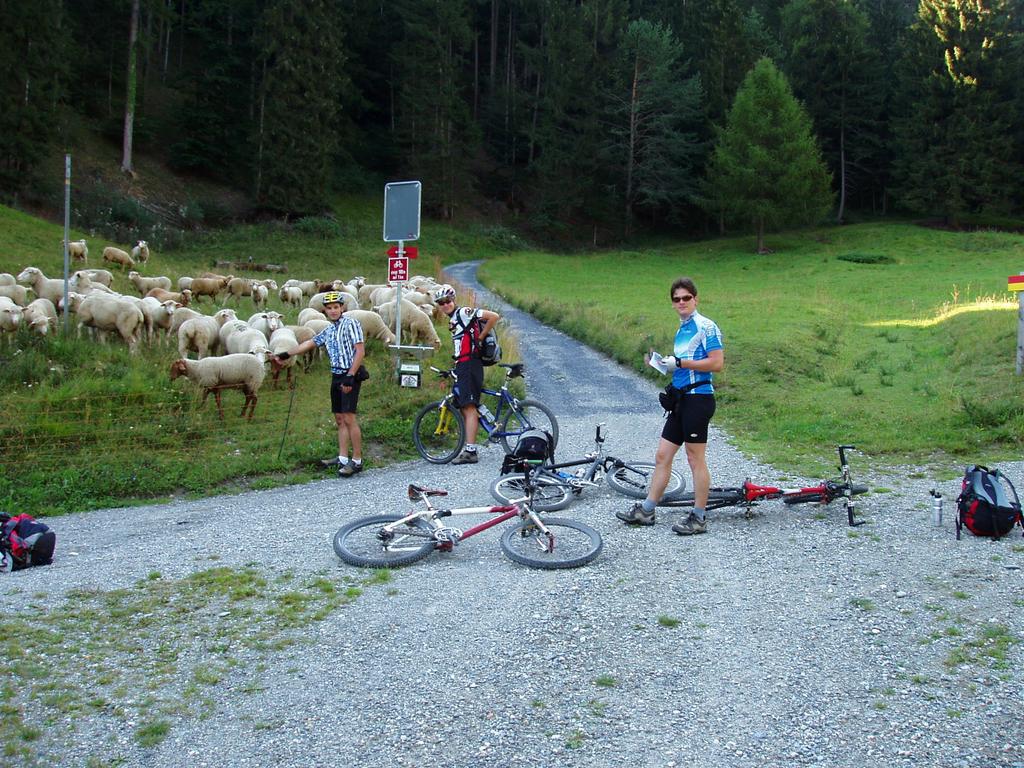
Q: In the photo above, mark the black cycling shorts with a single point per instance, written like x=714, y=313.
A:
x=689, y=422
x=470, y=383
x=340, y=401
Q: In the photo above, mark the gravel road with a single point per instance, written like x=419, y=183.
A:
x=778, y=639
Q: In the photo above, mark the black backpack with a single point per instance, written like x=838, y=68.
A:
x=24, y=542
x=984, y=506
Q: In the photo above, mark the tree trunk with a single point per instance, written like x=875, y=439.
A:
x=842, y=175
x=494, y=44
x=129, y=102
x=631, y=150
x=760, y=234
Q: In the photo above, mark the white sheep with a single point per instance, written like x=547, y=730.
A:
x=16, y=293
x=214, y=374
x=268, y=282
x=308, y=287
x=80, y=282
x=78, y=251
x=181, y=314
x=249, y=341
x=155, y=313
x=382, y=295
x=414, y=321
x=290, y=294
x=45, y=287
x=372, y=324
x=117, y=256
x=6, y=278
x=282, y=340
x=365, y=292
x=10, y=316
x=140, y=252
x=184, y=282
x=111, y=313
x=103, y=276
x=266, y=322
x=145, y=284
x=199, y=334
x=40, y=316
x=259, y=294
x=228, y=327
x=318, y=325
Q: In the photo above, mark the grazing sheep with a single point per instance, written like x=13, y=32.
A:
x=111, y=313
x=307, y=314
x=45, y=287
x=102, y=276
x=155, y=313
x=117, y=256
x=282, y=340
x=145, y=284
x=16, y=293
x=249, y=341
x=199, y=334
x=213, y=374
x=365, y=291
x=184, y=282
x=318, y=325
x=237, y=288
x=382, y=295
x=181, y=314
x=10, y=316
x=290, y=294
x=215, y=276
x=6, y=278
x=414, y=321
x=141, y=252
x=40, y=316
x=308, y=287
x=228, y=327
x=268, y=282
x=80, y=282
x=78, y=251
x=259, y=294
x=209, y=286
x=181, y=297
x=373, y=326
x=266, y=322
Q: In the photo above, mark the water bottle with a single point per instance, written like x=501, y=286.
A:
x=936, y=508
x=486, y=417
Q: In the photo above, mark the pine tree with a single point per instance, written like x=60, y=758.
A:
x=767, y=167
x=654, y=114
x=300, y=107
x=955, y=141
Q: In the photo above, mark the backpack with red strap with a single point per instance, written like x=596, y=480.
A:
x=24, y=542
x=985, y=506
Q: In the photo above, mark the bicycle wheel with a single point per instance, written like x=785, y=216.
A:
x=575, y=544
x=808, y=498
x=633, y=478
x=531, y=414
x=717, y=498
x=439, y=432
x=549, y=495
x=359, y=542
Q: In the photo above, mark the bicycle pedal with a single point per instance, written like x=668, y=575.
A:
x=448, y=535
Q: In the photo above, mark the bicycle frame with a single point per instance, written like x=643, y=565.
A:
x=506, y=401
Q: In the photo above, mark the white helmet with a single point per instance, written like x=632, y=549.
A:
x=444, y=293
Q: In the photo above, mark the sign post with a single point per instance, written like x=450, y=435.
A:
x=402, y=223
x=1016, y=283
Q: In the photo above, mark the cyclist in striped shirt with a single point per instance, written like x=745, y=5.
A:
x=344, y=342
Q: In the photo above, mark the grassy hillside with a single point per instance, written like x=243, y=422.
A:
x=896, y=338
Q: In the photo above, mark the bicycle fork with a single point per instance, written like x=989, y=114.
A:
x=547, y=546
x=844, y=468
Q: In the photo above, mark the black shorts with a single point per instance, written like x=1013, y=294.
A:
x=470, y=384
x=340, y=401
x=689, y=422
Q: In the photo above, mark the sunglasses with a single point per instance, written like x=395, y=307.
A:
x=442, y=302
x=685, y=297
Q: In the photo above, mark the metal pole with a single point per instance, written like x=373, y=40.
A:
x=67, y=234
x=398, y=315
x=1020, y=331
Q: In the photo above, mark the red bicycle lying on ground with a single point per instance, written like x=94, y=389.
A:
x=749, y=494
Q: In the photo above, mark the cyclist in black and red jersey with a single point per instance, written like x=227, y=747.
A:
x=468, y=327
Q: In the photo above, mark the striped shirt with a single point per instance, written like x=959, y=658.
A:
x=340, y=339
x=694, y=339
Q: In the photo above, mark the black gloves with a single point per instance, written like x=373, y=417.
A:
x=348, y=380
x=282, y=355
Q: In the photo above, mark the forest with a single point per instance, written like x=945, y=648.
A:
x=569, y=118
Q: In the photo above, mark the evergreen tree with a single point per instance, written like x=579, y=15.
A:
x=302, y=59
x=767, y=168
x=654, y=113
x=834, y=73
x=956, y=149
x=33, y=49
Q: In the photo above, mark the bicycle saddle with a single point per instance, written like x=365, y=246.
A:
x=416, y=492
x=515, y=370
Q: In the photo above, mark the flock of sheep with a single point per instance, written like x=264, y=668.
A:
x=228, y=352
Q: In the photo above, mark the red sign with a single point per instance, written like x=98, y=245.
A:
x=411, y=251
x=1016, y=283
x=398, y=269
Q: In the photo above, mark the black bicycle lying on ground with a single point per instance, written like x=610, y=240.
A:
x=749, y=494
x=554, y=487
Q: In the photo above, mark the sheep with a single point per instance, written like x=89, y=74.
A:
x=145, y=284
x=10, y=316
x=16, y=293
x=266, y=322
x=81, y=283
x=259, y=294
x=414, y=320
x=237, y=288
x=182, y=297
x=382, y=295
x=249, y=341
x=102, y=276
x=214, y=374
x=268, y=282
x=181, y=314
x=45, y=287
x=209, y=286
x=216, y=276
x=308, y=314
x=228, y=327
x=40, y=316
x=318, y=325
x=6, y=278
x=78, y=251
x=290, y=294
x=141, y=252
x=282, y=340
x=373, y=326
x=111, y=313
x=199, y=334
x=308, y=287
x=184, y=282
x=364, y=294
x=117, y=256
x=155, y=313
